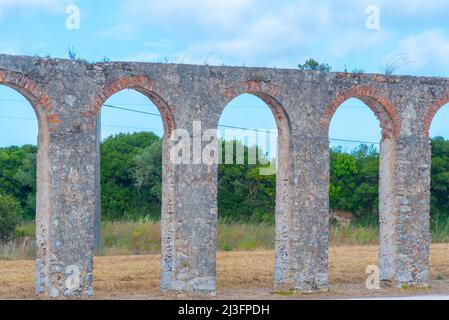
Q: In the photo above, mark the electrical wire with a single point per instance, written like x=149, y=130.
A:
x=158, y=115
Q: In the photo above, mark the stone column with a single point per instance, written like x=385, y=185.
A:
x=387, y=236
x=65, y=238
x=189, y=221
x=309, y=224
x=282, y=212
x=167, y=219
x=411, y=210
x=97, y=221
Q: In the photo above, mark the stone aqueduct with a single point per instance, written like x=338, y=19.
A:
x=67, y=96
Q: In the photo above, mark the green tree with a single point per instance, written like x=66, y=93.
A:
x=354, y=182
x=243, y=194
x=18, y=176
x=343, y=171
x=147, y=173
x=120, y=195
x=312, y=64
x=10, y=212
x=131, y=173
x=440, y=177
x=26, y=179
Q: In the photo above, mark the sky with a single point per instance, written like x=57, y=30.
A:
x=346, y=34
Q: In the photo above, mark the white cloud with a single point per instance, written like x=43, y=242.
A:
x=51, y=6
x=399, y=8
x=412, y=7
x=191, y=14
x=287, y=34
x=427, y=50
x=236, y=31
x=284, y=33
x=121, y=31
x=32, y=4
x=29, y=3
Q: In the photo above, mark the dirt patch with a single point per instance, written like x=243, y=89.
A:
x=240, y=275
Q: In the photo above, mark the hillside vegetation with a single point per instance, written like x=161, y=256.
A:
x=131, y=166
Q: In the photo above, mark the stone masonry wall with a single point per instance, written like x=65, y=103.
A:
x=68, y=95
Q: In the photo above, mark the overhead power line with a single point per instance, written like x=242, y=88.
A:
x=18, y=118
x=232, y=127
x=131, y=110
x=159, y=116
x=354, y=141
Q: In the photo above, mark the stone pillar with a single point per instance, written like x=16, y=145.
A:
x=309, y=224
x=97, y=221
x=167, y=220
x=65, y=221
x=387, y=237
x=283, y=209
x=412, y=207
x=189, y=221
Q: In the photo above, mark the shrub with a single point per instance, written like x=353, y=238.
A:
x=10, y=212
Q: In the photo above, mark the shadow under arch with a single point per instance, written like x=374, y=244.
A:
x=283, y=182
x=386, y=113
x=40, y=103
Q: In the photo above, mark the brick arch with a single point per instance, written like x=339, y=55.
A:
x=41, y=103
x=270, y=94
x=141, y=84
x=382, y=107
x=47, y=122
x=267, y=93
x=434, y=108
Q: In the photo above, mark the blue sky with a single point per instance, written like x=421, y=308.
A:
x=232, y=32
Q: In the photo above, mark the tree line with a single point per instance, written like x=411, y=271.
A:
x=131, y=175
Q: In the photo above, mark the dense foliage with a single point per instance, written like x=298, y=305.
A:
x=131, y=167
x=354, y=181
x=9, y=216
x=440, y=177
x=244, y=194
x=18, y=177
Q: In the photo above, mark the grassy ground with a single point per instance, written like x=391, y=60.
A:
x=135, y=238
x=128, y=265
x=241, y=275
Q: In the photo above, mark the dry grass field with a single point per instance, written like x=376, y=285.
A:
x=241, y=275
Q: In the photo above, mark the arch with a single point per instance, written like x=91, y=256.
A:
x=382, y=107
x=40, y=102
x=146, y=87
x=434, y=108
x=141, y=84
x=386, y=113
x=47, y=123
x=267, y=92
